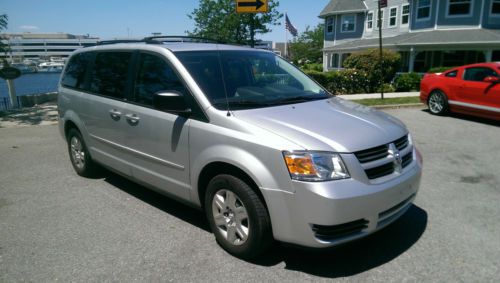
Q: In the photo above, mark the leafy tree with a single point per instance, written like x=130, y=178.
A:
x=308, y=46
x=217, y=19
x=369, y=61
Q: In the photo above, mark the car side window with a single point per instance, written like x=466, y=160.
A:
x=109, y=75
x=478, y=74
x=451, y=74
x=155, y=75
x=74, y=75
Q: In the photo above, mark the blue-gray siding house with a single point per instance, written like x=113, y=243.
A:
x=427, y=33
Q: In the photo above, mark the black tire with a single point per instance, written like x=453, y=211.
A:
x=259, y=233
x=438, y=103
x=79, y=154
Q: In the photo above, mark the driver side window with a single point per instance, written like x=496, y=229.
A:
x=478, y=74
x=155, y=75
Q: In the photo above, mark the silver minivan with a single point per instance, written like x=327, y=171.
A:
x=240, y=133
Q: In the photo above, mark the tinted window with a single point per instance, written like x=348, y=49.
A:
x=109, y=76
x=155, y=75
x=478, y=74
x=452, y=74
x=74, y=76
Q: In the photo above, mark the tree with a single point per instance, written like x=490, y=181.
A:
x=308, y=46
x=217, y=19
x=369, y=61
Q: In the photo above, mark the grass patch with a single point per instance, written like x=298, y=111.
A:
x=388, y=101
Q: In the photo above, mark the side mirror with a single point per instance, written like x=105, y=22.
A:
x=172, y=102
x=491, y=79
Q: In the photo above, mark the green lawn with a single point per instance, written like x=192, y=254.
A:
x=388, y=101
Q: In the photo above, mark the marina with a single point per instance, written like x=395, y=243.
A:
x=33, y=83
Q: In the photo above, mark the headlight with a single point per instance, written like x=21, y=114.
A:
x=315, y=166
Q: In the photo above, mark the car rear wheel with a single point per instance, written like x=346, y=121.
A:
x=237, y=217
x=79, y=155
x=438, y=103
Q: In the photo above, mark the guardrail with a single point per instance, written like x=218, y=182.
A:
x=28, y=100
x=5, y=103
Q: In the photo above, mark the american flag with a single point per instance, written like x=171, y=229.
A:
x=290, y=27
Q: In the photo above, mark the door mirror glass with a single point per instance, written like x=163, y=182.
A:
x=170, y=101
x=491, y=79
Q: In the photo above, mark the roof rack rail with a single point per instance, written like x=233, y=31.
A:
x=181, y=38
x=114, y=41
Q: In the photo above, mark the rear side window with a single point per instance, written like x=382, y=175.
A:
x=155, y=75
x=109, y=75
x=74, y=76
x=478, y=74
x=452, y=74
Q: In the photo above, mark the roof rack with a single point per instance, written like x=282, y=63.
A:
x=162, y=39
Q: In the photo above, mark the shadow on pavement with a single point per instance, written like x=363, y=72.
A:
x=345, y=260
x=470, y=118
x=166, y=204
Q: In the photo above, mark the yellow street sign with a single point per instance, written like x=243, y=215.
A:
x=251, y=6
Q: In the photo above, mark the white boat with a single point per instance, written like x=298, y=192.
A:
x=50, y=67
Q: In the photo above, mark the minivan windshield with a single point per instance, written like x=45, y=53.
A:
x=249, y=79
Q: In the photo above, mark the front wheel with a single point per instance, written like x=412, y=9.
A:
x=438, y=103
x=79, y=155
x=237, y=217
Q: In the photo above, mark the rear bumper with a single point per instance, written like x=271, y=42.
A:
x=326, y=214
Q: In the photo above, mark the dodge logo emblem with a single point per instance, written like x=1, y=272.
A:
x=398, y=160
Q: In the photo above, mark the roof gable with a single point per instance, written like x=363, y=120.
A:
x=343, y=6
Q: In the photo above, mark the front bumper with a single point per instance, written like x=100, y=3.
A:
x=326, y=214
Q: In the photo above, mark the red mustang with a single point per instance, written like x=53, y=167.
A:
x=472, y=89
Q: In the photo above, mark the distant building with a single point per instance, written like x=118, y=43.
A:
x=427, y=33
x=43, y=46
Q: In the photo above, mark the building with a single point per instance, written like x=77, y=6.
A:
x=43, y=46
x=427, y=33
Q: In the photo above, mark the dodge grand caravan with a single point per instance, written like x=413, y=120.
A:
x=240, y=133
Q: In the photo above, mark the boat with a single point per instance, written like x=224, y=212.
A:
x=50, y=67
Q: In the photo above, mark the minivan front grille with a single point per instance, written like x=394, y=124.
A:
x=379, y=153
x=335, y=232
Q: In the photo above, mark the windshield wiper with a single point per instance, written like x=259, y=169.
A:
x=298, y=99
x=242, y=103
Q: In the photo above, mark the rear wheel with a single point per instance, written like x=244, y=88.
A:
x=438, y=103
x=237, y=217
x=79, y=155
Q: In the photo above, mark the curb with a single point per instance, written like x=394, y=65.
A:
x=399, y=106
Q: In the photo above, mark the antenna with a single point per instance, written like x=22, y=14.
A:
x=223, y=80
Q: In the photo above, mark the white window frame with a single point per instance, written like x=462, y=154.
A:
x=382, y=19
x=402, y=14
x=332, y=24
x=372, y=21
x=342, y=23
x=491, y=9
x=418, y=8
x=471, y=9
x=395, y=17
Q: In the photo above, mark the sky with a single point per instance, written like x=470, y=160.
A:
x=108, y=19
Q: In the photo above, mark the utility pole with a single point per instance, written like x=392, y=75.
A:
x=381, y=4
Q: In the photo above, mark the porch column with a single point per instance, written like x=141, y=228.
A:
x=411, y=64
x=325, y=62
x=488, y=55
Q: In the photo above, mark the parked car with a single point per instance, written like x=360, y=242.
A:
x=243, y=135
x=472, y=89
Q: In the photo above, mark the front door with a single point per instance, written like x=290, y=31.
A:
x=159, y=141
x=479, y=94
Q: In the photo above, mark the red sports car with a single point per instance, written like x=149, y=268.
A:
x=472, y=89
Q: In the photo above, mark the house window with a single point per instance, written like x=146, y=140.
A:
x=393, y=17
x=348, y=23
x=459, y=7
x=329, y=25
x=495, y=8
x=380, y=20
x=405, y=15
x=369, y=21
x=334, y=63
x=423, y=9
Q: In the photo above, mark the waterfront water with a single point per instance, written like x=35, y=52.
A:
x=32, y=84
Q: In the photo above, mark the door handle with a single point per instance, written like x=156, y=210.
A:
x=132, y=119
x=115, y=114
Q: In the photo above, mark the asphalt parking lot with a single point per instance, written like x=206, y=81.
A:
x=57, y=226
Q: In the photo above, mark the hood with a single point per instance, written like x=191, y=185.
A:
x=327, y=125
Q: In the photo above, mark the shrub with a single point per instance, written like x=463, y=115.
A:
x=369, y=62
x=312, y=67
x=439, y=69
x=407, y=82
x=342, y=82
x=387, y=88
